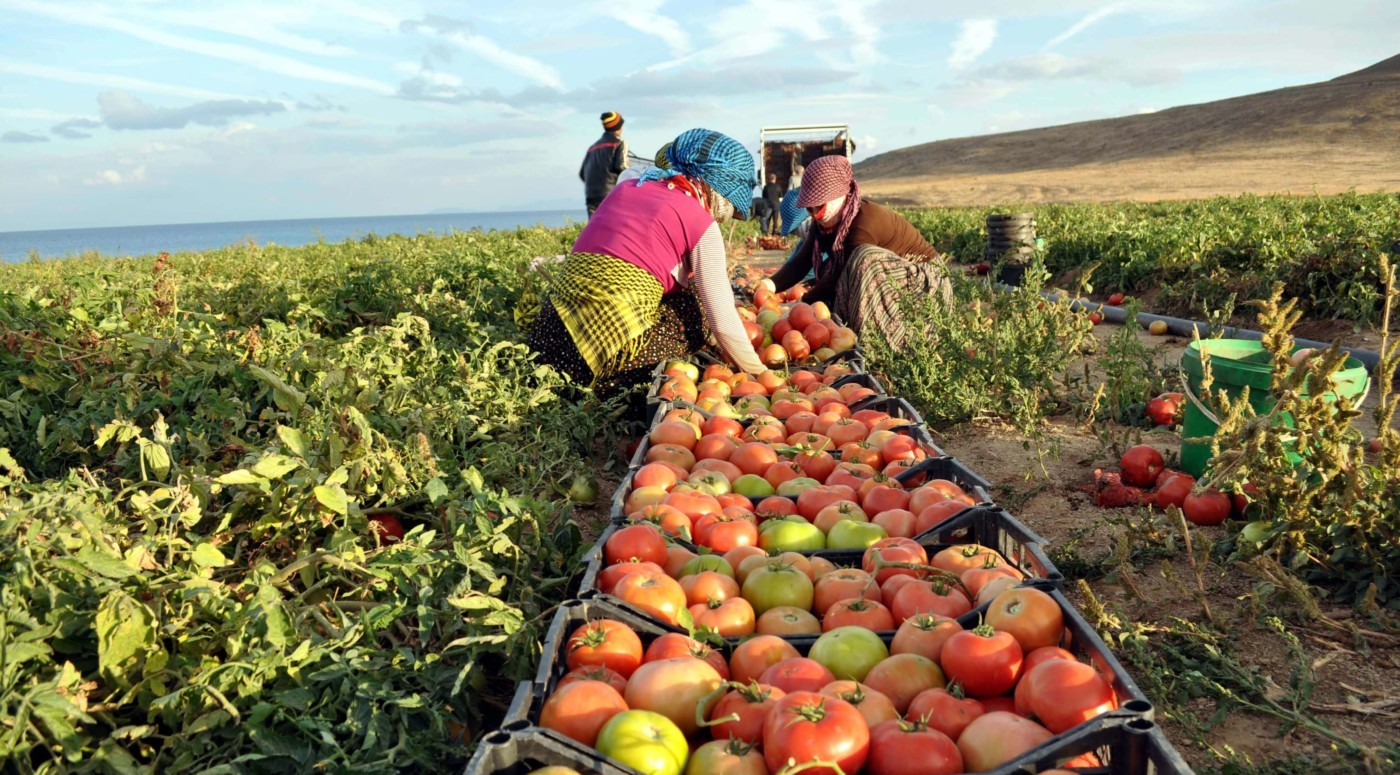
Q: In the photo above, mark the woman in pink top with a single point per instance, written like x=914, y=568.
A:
x=626, y=297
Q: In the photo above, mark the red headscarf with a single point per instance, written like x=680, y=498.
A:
x=825, y=180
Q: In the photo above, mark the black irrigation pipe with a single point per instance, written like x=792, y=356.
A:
x=1183, y=327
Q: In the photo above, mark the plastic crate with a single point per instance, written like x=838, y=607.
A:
x=526, y=749
x=989, y=526
x=1112, y=745
x=949, y=468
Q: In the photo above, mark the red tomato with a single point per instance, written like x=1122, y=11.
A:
x=609, y=576
x=1030, y=616
x=1064, y=693
x=883, y=558
x=925, y=597
x=1175, y=490
x=1165, y=409
x=843, y=584
x=674, y=645
x=1141, y=464
x=997, y=737
x=901, y=677
x=607, y=643
x=986, y=662
x=643, y=542
x=655, y=593
x=924, y=635
x=797, y=674
x=708, y=585
x=1115, y=299
x=857, y=612
x=882, y=498
x=1207, y=509
x=579, y=710
x=673, y=688
x=722, y=532
x=732, y=618
x=873, y=705
x=386, y=527
x=1043, y=654
x=740, y=713
x=911, y=748
x=593, y=673
x=946, y=710
x=992, y=567
x=963, y=557
x=755, y=655
x=805, y=725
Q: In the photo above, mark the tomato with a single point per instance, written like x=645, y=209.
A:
x=674, y=645
x=733, y=618
x=857, y=612
x=924, y=635
x=874, y=706
x=1165, y=409
x=1043, y=654
x=902, y=677
x=1207, y=509
x=884, y=558
x=947, y=710
x=593, y=673
x=693, y=503
x=677, y=557
x=1141, y=464
x=386, y=528
x=1175, y=490
x=911, y=748
x=986, y=662
x=797, y=674
x=814, y=499
x=848, y=653
x=671, y=453
x=609, y=576
x=843, y=584
x=673, y=688
x=835, y=512
x=722, y=532
x=960, y=558
x=787, y=620
x=992, y=567
x=726, y=757
x=708, y=585
x=700, y=563
x=884, y=498
x=806, y=726
x=1030, y=616
x=756, y=655
x=675, y=432
x=654, y=593
x=899, y=523
x=645, y=741
x=1063, y=693
x=925, y=597
x=997, y=737
x=740, y=713
x=605, y=643
x=580, y=709
x=778, y=583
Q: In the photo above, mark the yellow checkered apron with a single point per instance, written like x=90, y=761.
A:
x=607, y=305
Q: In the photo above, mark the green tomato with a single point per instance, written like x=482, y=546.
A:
x=795, y=486
x=706, y=562
x=849, y=652
x=785, y=535
x=767, y=318
x=777, y=584
x=851, y=534
x=753, y=486
x=712, y=482
x=583, y=489
x=1253, y=533
x=645, y=741
x=686, y=367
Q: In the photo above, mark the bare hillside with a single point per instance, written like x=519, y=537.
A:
x=1325, y=137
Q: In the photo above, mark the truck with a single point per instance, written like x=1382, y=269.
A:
x=783, y=149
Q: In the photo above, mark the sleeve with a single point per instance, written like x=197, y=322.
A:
x=581, y=167
x=620, y=157
x=796, y=267
x=717, y=299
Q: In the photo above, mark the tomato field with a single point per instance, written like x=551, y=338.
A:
x=318, y=508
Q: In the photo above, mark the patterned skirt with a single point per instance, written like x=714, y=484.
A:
x=606, y=324
x=869, y=290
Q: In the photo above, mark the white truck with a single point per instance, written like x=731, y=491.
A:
x=784, y=150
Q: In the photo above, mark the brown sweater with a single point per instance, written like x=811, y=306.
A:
x=874, y=225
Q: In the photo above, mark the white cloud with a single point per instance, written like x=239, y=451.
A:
x=1083, y=24
x=974, y=38
x=244, y=55
x=111, y=177
x=749, y=31
x=34, y=114
x=645, y=16
x=114, y=81
x=461, y=35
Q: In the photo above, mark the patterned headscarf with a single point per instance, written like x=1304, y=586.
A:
x=825, y=180
x=793, y=214
x=718, y=160
x=660, y=157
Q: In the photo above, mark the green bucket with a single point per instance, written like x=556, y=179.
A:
x=1236, y=364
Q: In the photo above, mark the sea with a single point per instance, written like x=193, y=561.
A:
x=119, y=241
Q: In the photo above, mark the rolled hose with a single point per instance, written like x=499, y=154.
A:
x=1182, y=327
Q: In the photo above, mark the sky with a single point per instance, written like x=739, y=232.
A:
x=127, y=112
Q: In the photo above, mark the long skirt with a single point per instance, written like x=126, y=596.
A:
x=869, y=291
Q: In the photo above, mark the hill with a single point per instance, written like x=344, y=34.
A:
x=1325, y=138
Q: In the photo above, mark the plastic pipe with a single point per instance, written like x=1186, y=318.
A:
x=1182, y=327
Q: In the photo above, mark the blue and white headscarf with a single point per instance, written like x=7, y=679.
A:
x=717, y=159
x=793, y=216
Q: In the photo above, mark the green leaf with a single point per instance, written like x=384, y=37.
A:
x=275, y=466
x=295, y=441
x=104, y=564
x=333, y=498
x=241, y=476
x=287, y=398
x=207, y=555
x=436, y=491
x=156, y=459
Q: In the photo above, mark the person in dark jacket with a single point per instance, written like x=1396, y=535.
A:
x=604, y=161
x=773, y=194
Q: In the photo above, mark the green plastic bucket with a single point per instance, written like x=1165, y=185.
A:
x=1235, y=365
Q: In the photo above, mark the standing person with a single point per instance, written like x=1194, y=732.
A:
x=604, y=161
x=864, y=255
x=773, y=194
x=795, y=181
x=624, y=299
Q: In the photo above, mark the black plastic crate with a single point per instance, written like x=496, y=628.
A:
x=526, y=749
x=1112, y=745
x=988, y=526
x=949, y=468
